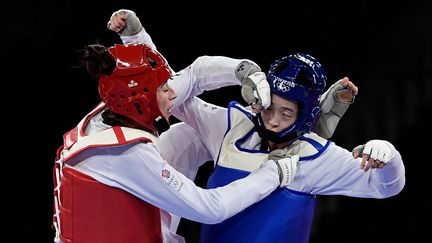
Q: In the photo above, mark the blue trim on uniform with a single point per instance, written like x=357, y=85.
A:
x=232, y=104
x=245, y=138
x=316, y=145
x=236, y=105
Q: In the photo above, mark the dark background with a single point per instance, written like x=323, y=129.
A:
x=385, y=48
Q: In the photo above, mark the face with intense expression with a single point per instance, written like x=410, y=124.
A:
x=281, y=114
x=165, y=99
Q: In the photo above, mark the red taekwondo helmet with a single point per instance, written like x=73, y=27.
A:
x=131, y=88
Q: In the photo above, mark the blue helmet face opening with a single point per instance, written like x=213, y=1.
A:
x=299, y=78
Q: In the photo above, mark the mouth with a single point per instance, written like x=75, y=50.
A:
x=272, y=129
x=170, y=109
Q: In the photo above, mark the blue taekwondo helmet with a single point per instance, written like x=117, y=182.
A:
x=300, y=78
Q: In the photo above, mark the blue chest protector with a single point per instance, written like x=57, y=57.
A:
x=284, y=216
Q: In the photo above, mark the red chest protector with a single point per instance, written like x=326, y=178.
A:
x=86, y=210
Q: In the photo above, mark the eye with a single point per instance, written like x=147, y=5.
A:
x=287, y=115
x=165, y=87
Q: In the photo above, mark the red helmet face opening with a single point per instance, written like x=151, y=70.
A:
x=132, y=87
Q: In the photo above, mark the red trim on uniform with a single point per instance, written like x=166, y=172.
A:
x=119, y=134
x=70, y=138
x=98, y=108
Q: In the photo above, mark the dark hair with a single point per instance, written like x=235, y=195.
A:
x=96, y=59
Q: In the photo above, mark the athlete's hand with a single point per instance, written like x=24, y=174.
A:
x=125, y=22
x=256, y=91
x=375, y=154
x=344, y=90
x=287, y=165
x=334, y=103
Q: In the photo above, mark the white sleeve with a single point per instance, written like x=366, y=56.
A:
x=140, y=170
x=185, y=156
x=336, y=172
x=392, y=176
x=141, y=38
x=209, y=121
x=205, y=73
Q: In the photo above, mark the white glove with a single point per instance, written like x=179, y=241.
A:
x=376, y=149
x=125, y=22
x=375, y=154
x=256, y=90
x=287, y=165
x=333, y=107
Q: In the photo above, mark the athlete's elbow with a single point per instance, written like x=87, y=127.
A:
x=398, y=187
x=393, y=189
x=215, y=220
x=215, y=215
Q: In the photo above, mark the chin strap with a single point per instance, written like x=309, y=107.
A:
x=161, y=124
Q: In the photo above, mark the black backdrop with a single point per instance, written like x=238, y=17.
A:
x=384, y=48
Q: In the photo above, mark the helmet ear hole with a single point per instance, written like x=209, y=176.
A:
x=151, y=61
x=138, y=109
x=304, y=79
x=280, y=65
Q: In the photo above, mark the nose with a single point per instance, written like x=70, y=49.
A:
x=173, y=94
x=273, y=119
